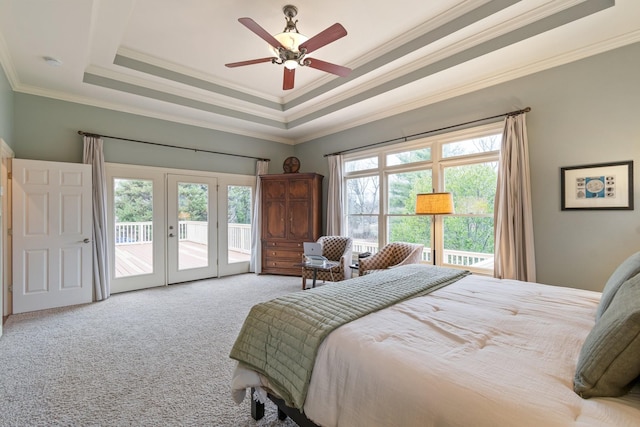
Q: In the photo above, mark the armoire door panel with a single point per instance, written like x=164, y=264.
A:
x=274, y=190
x=299, y=189
x=274, y=220
x=299, y=220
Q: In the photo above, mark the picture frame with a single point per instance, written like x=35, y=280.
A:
x=603, y=186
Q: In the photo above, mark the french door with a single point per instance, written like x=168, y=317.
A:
x=191, y=228
x=163, y=227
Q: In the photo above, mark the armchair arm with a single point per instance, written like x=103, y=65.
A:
x=345, y=262
x=373, y=262
x=415, y=257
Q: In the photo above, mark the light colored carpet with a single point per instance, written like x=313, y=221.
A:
x=156, y=357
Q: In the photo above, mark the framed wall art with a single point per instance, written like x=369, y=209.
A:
x=597, y=186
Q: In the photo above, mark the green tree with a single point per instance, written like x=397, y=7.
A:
x=193, y=201
x=403, y=189
x=133, y=200
x=239, y=205
x=473, y=188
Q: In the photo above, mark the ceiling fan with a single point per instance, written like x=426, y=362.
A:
x=291, y=48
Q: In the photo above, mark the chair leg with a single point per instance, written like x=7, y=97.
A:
x=304, y=283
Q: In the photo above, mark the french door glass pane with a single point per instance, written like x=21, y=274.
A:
x=133, y=205
x=239, y=223
x=193, y=225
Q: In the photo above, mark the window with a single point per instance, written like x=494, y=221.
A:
x=381, y=188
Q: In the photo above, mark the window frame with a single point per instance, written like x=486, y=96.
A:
x=437, y=164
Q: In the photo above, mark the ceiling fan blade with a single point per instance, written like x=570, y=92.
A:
x=249, y=62
x=289, y=77
x=260, y=32
x=338, y=70
x=327, y=36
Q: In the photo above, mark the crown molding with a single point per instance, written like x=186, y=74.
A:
x=7, y=65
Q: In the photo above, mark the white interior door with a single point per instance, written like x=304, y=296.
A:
x=52, y=251
x=191, y=228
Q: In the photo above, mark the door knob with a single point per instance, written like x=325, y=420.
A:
x=86, y=240
x=170, y=234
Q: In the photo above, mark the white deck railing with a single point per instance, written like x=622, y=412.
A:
x=239, y=240
x=131, y=233
x=451, y=257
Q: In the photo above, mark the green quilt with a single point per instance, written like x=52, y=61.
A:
x=280, y=338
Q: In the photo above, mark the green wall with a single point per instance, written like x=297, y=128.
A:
x=582, y=113
x=6, y=109
x=47, y=129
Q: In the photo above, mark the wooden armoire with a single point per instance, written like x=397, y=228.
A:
x=291, y=215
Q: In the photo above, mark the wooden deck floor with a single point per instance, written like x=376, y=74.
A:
x=135, y=259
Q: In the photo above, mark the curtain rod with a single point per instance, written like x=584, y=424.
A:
x=197, y=150
x=406, y=138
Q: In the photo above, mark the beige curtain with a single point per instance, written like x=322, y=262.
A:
x=94, y=156
x=514, y=249
x=335, y=208
x=255, y=262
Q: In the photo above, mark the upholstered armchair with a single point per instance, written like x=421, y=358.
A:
x=392, y=255
x=334, y=248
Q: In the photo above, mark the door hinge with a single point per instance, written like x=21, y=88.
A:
x=11, y=288
x=9, y=231
x=9, y=175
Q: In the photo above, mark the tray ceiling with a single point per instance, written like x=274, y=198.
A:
x=165, y=59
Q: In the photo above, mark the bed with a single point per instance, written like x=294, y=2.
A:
x=468, y=351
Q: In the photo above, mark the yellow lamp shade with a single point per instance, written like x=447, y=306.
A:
x=434, y=204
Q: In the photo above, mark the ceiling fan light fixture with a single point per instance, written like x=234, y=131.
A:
x=290, y=41
x=290, y=48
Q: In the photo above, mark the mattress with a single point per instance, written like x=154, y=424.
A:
x=480, y=352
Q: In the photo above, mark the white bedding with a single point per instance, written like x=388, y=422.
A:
x=480, y=352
